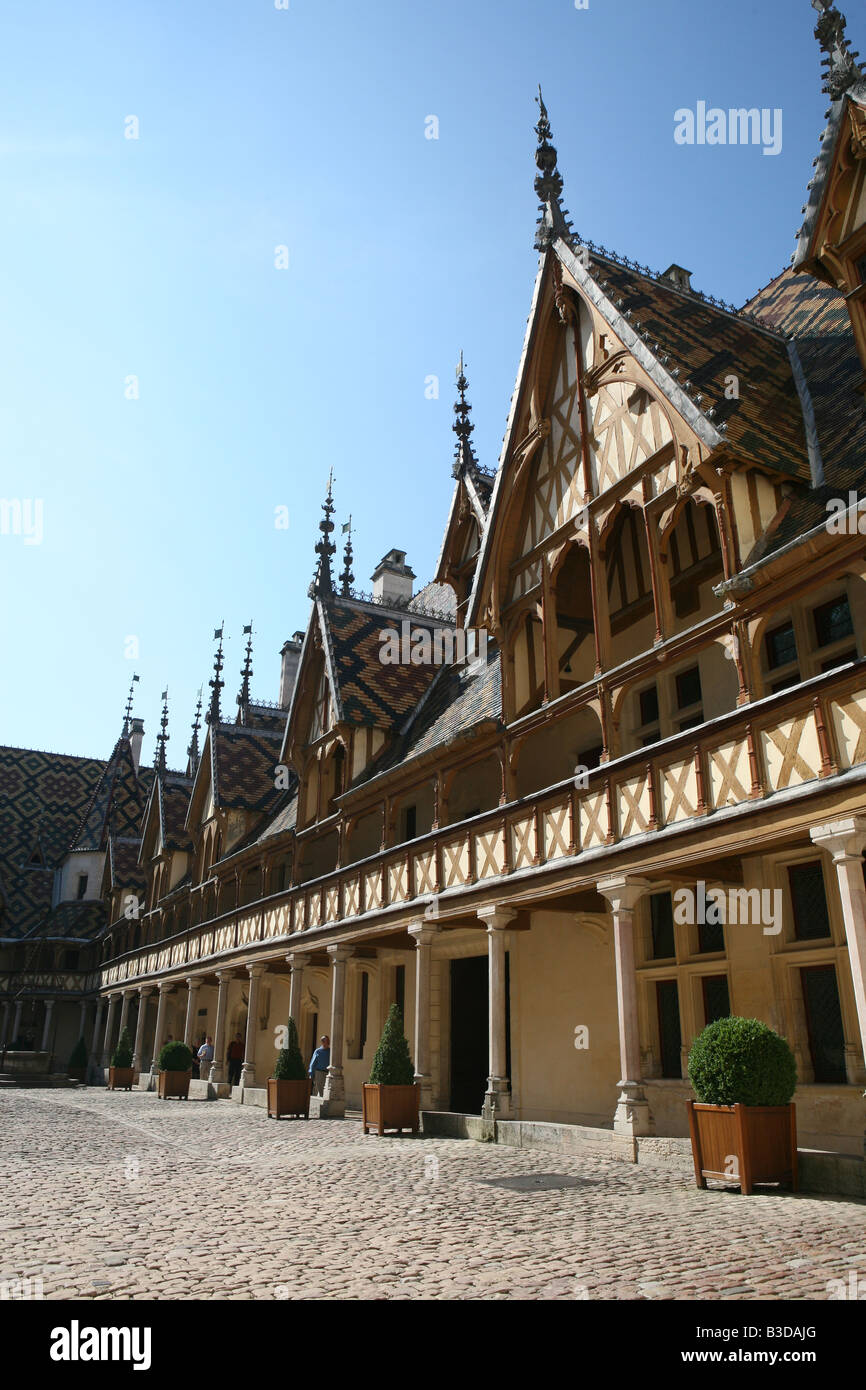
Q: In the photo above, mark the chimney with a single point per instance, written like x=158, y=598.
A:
x=136, y=734
x=677, y=276
x=392, y=579
x=291, y=654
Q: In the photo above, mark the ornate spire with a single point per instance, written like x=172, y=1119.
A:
x=192, y=752
x=843, y=70
x=216, y=685
x=323, y=582
x=246, y=670
x=464, y=454
x=553, y=222
x=127, y=717
x=162, y=737
x=346, y=575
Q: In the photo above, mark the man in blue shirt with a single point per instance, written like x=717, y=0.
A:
x=319, y=1063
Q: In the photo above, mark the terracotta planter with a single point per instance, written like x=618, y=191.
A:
x=744, y=1144
x=77, y=1073
x=289, y=1098
x=174, y=1083
x=391, y=1107
x=120, y=1078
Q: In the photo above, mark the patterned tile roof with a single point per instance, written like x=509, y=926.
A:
x=119, y=798
x=370, y=692
x=707, y=345
x=814, y=314
x=174, y=794
x=124, y=870
x=81, y=920
x=242, y=767
x=261, y=715
x=42, y=799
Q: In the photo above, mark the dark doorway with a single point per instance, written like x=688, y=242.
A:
x=314, y=1036
x=469, y=1039
x=824, y=1022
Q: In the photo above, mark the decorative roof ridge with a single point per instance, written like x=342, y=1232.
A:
x=398, y=606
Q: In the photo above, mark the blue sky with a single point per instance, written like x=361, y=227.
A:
x=305, y=128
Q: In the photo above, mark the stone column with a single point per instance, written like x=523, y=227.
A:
x=83, y=1024
x=497, y=1099
x=248, y=1070
x=126, y=999
x=845, y=840
x=46, y=1028
x=297, y=960
x=4, y=1027
x=425, y=934
x=193, y=985
x=16, y=1019
x=109, y=1025
x=334, y=1098
x=159, y=1032
x=144, y=993
x=218, y=1065
x=632, y=1114
x=97, y=1029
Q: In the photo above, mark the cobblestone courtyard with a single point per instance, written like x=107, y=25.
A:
x=108, y=1195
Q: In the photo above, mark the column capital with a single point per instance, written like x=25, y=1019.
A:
x=622, y=891
x=192, y=981
x=224, y=976
x=424, y=932
x=340, y=952
x=257, y=970
x=298, y=960
x=496, y=918
x=165, y=986
x=843, y=839
x=143, y=991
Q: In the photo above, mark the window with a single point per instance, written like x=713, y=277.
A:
x=717, y=1003
x=688, y=688
x=809, y=901
x=670, y=1034
x=711, y=937
x=780, y=646
x=662, y=926
x=648, y=705
x=411, y=820
x=82, y=886
x=70, y=960
x=832, y=621
x=824, y=1024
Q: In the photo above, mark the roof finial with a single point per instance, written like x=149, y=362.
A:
x=346, y=575
x=162, y=737
x=323, y=581
x=464, y=454
x=192, y=750
x=843, y=70
x=246, y=669
x=553, y=222
x=216, y=685
x=127, y=718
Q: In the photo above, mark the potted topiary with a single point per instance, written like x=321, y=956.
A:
x=175, y=1070
x=78, y=1061
x=743, y=1126
x=120, y=1072
x=289, y=1087
x=391, y=1098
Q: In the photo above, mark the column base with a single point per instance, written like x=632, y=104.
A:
x=248, y=1075
x=632, y=1115
x=216, y=1073
x=333, y=1105
x=497, y=1099
x=426, y=1094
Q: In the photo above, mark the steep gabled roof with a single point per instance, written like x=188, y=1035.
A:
x=242, y=767
x=120, y=798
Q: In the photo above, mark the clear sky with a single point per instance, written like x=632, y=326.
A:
x=154, y=258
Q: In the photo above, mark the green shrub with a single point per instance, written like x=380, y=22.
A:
x=741, y=1060
x=79, y=1056
x=175, y=1056
x=122, y=1054
x=290, y=1063
x=392, y=1065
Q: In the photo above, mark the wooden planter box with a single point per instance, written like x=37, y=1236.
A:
x=762, y=1139
x=173, y=1083
x=289, y=1098
x=120, y=1078
x=391, y=1107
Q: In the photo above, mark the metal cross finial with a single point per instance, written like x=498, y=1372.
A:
x=464, y=454
x=842, y=69
x=247, y=669
x=346, y=575
x=216, y=685
x=127, y=718
x=323, y=581
x=162, y=737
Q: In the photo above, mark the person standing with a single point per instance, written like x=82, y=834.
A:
x=319, y=1063
x=235, y=1059
x=205, y=1057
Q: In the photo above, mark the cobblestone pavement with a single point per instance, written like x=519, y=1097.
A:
x=112, y=1195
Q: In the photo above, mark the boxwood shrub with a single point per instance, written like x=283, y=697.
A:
x=290, y=1063
x=175, y=1056
x=392, y=1065
x=742, y=1061
x=122, y=1054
